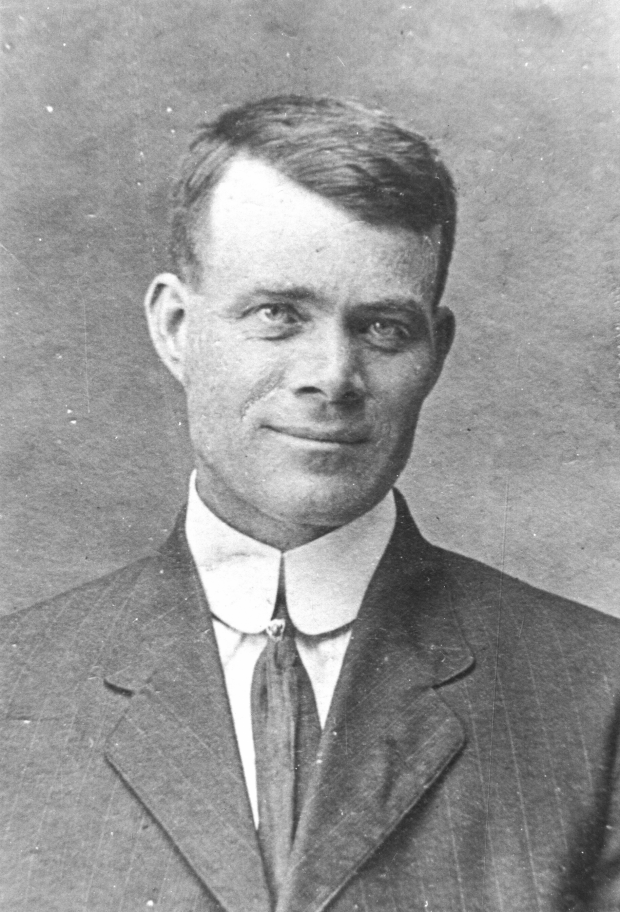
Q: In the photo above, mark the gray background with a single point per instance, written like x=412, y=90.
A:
x=517, y=460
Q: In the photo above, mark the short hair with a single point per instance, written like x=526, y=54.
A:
x=359, y=158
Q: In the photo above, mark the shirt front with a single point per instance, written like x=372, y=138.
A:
x=326, y=580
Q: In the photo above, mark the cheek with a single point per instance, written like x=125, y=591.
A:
x=265, y=381
x=207, y=393
x=399, y=394
x=226, y=381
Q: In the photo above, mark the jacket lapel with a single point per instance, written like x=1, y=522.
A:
x=389, y=735
x=175, y=747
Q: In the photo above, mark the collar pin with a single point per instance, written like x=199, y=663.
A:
x=275, y=628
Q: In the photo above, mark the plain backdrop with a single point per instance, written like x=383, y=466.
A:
x=517, y=460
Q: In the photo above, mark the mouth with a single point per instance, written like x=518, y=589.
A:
x=328, y=435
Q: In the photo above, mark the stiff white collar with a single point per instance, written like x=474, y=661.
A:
x=325, y=579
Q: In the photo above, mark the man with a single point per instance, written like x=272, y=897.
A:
x=298, y=703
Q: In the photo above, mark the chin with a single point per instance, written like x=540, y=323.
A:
x=329, y=504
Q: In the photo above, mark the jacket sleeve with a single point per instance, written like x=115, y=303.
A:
x=606, y=882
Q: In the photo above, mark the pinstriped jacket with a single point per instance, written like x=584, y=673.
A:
x=468, y=763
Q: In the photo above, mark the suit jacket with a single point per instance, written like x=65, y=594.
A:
x=469, y=761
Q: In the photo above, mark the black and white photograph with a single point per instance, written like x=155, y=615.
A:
x=310, y=456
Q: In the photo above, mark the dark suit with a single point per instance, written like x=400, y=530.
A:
x=468, y=762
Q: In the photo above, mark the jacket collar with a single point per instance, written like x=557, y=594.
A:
x=176, y=749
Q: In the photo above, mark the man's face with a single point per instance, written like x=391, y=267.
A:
x=307, y=353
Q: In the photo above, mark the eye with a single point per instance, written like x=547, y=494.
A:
x=277, y=314
x=391, y=335
x=274, y=320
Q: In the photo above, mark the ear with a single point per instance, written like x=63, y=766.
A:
x=166, y=304
x=444, y=328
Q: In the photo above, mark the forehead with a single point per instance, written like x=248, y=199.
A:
x=261, y=226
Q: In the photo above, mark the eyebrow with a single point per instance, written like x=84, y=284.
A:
x=294, y=293
x=301, y=293
x=405, y=303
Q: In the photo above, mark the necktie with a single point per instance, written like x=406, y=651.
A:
x=286, y=729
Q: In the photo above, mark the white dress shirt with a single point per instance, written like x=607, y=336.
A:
x=325, y=584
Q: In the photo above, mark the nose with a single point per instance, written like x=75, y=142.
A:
x=329, y=366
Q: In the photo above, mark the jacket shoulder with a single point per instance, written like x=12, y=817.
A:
x=492, y=605
x=71, y=630
x=483, y=581
x=35, y=618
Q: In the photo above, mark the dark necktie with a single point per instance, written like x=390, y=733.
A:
x=286, y=730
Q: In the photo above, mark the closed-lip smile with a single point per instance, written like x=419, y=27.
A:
x=323, y=433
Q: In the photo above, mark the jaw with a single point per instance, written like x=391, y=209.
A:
x=266, y=519
x=291, y=505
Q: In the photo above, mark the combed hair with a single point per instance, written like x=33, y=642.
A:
x=360, y=159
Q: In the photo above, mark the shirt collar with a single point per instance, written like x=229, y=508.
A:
x=325, y=579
